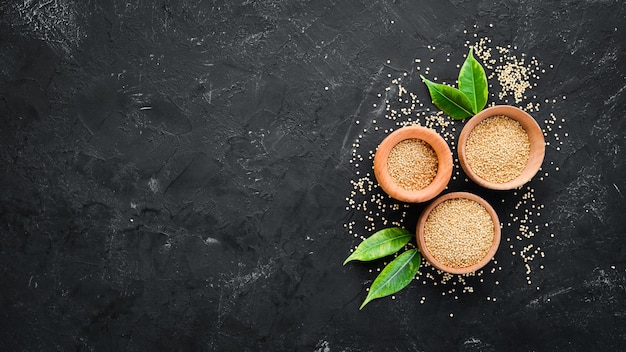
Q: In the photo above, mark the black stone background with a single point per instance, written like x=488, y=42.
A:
x=174, y=176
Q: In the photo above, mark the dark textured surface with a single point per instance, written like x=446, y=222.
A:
x=174, y=176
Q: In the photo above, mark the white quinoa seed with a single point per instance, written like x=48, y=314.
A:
x=498, y=149
x=510, y=76
x=412, y=164
x=459, y=232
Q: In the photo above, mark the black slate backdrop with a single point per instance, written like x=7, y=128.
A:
x=174, y=176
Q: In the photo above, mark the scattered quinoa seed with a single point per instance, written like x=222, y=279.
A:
x=513, y=78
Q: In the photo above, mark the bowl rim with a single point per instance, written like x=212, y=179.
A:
x=535, y=136
x=444, y=164
x=421, y=242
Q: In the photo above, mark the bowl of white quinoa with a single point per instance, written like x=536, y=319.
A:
x=501, y=148
x=413, y=164
x=458, y=233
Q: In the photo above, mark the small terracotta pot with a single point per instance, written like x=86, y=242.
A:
x=535, y=137
x=421, y=242
x=444, y=168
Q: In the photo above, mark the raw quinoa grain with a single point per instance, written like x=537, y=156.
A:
x=498, y=149
x=412, y=164
x=459, y=232
x=514, y=75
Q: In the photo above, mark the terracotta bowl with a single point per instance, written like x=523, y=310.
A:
x=444, y=169
x=421, y=242
x=535, y=136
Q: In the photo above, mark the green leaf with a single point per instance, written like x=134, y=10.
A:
x=395, y=276
x=449, y=100
x=381, y=244
x=473, y=82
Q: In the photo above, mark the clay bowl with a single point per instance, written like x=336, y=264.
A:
x=444, y=168
x=535, y=137
x=427, y=254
